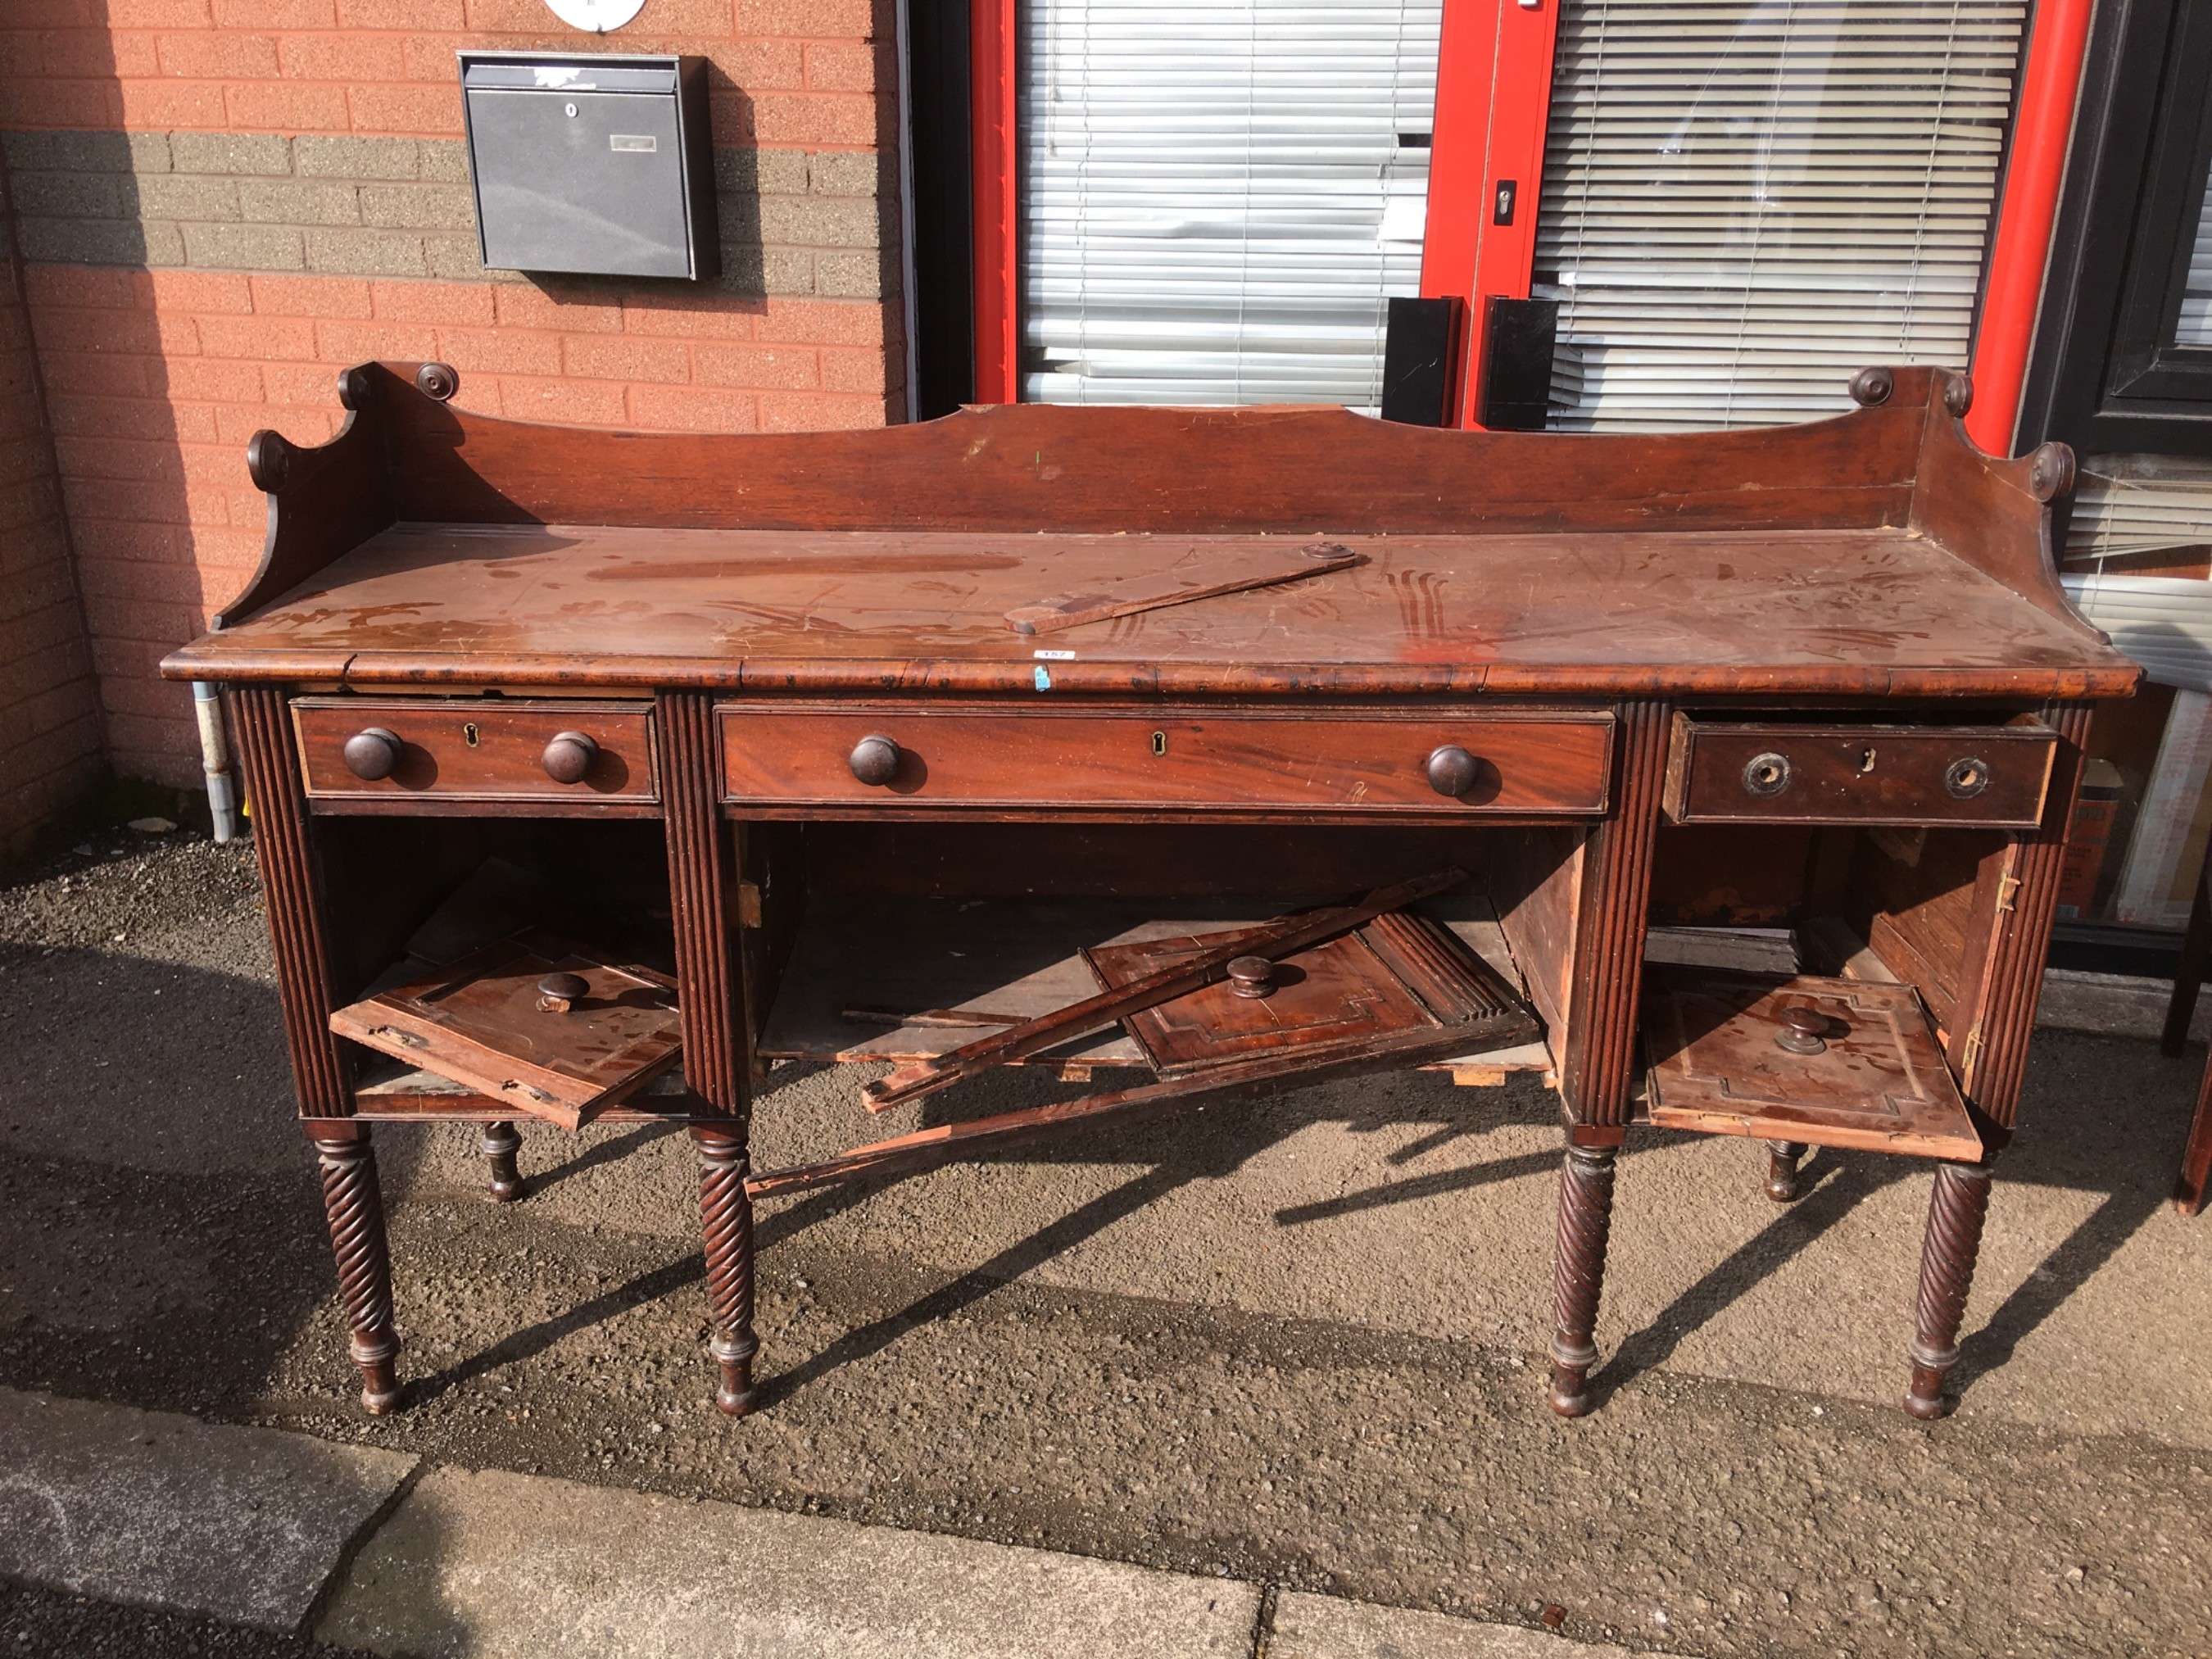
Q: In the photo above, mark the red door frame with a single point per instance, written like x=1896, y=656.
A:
x=2049, y=86
x=994, y=148
x=1493, y=101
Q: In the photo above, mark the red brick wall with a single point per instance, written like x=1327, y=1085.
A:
x=155, y=380
x=224, y=202
x=50, y=738
x=792, y=73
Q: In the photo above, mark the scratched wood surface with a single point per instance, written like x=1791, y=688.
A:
x=1845, y=610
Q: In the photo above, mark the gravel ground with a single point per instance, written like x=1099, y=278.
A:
x=1069, y=1352
x=38, y=1623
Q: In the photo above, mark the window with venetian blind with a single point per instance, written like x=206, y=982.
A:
x=2194, y=327
x=1743, y=203
x=1218, y=196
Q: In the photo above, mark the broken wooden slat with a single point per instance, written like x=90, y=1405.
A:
x=1200, y=573
x=926, y=1148
x=940, y=1017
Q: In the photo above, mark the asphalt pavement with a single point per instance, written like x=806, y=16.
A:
x=1295, y=1347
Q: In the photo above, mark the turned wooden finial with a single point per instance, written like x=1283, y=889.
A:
x=1958, y=394
x=355, y=388
x=2051, y=471
x=268, y=459
x=1871, y=386
x=437, y=381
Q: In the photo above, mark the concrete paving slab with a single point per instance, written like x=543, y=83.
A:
x=1323, y=1628
x=162, y=1511
x=495, y=1565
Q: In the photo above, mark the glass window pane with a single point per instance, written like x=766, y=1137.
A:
x=1219, y=196
x=2194, y=327
x=1745, y=201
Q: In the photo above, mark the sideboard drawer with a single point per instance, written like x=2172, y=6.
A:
x=1803, y=772
x=888, y=756
x=579, y=754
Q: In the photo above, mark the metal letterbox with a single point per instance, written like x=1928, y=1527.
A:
x=598, y=164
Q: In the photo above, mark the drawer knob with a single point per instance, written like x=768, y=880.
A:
x=1766, y=774
x=1251, y=976
x=569, y=757
x=372, y=754
x=1804, y=1030
x=1968, y=776
x=1452, y=770
x=558, y=992
x=875, y=760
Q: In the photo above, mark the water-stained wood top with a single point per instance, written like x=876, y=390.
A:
x=1878, y=611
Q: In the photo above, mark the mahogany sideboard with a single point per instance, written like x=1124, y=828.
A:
x=752, y=707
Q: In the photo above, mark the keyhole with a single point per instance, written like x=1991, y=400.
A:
x=1866, y=760
x=1159, y=743
x=469, y=734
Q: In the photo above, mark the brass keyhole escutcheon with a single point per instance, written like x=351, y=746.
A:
x=469, y=733
x=1159, y=743
x=1866, y=760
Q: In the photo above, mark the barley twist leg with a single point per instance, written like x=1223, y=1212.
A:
x=726, y=1214
x=355, y=1211
x=1956, y=1209
x=1578, y=1273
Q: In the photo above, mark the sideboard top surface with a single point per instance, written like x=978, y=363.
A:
x=1877, y=554
x=1849, y=610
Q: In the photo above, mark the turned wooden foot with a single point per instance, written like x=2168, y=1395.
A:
x=355, y=1207
x=1956, y=1209
x=499, y=1145
x=726, y=1214
x=1782, y=1158
x=1578, y=1273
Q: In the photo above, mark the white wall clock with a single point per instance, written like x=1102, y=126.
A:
x=596, y=16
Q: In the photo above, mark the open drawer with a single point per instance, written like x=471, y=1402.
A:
x=1812, y=772
x=535, y=1022
x=1826, y=1062
x=976, y=965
